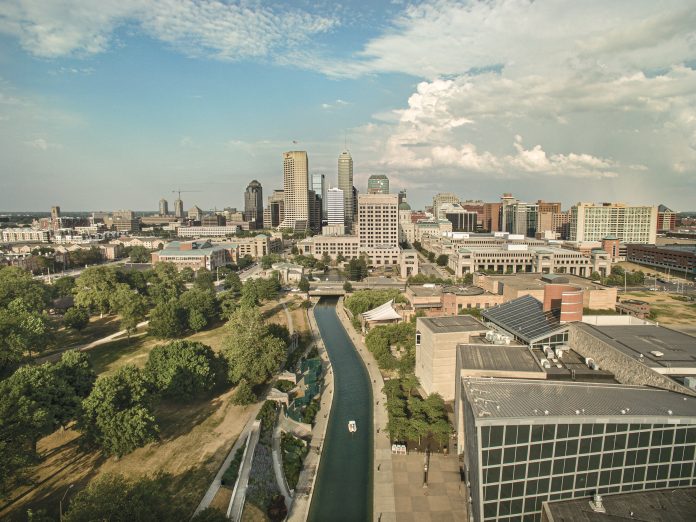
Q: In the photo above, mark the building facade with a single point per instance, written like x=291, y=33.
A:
x=253, y=203
x=319, y=188
x=378, y=184
x=630, y=224
x=345, y=183
x=295, y=190
x=676, y=258
x=25, y=234
x=163, y=207
x=441, y=198
x=335, y=207
x=378, y=228
x=178, y=208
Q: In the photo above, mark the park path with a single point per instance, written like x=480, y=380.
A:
x=234, y=511
x=278, y=466
x=383, y=499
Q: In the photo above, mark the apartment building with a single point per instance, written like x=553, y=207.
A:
x=630, y=224
x=25, y=234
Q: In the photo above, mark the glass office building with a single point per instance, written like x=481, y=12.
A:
x=527, y=442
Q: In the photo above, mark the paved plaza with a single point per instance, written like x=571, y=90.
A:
x=444, y=499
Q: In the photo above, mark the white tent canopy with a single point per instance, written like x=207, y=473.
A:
x=383, y=312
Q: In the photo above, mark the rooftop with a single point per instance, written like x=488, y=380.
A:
x=481, y=355
x=664, y=505
x=522, y=398
x=452, y=324
x=660, y=347
x=525, y=319
x=426, y=291
x=532, y=281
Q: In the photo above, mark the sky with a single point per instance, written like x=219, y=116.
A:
x=114, y=104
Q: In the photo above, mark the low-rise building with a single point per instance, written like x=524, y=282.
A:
x=442, y=300
x=208, y=231
x=678, y=258
x=192, y=254
x=25, y=235
x=346, y=246
x=289, y=273
x=595, y=296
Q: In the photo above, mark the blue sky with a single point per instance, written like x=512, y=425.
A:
x=114, y=104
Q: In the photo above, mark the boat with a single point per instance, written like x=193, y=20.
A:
x=352, y=427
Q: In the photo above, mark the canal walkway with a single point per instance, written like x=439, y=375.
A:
x=305, y=485
x=384, y=505
x=234, y=511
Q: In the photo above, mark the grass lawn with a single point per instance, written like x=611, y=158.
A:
x=194, y=437
x=670, y=311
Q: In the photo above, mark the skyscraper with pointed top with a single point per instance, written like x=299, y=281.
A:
x=345, y=183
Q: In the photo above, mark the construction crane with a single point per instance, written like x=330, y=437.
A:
x=178, y=192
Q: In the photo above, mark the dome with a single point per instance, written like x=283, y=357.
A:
x=404, y=206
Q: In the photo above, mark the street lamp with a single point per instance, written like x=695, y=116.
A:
x=62, y=499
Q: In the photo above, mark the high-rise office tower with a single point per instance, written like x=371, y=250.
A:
x=335, y=214
x=296, y=189
x=315, y=213
x=378, y=221
x=178, y=208
x=253, y=203
x=319, y=188
x=55, y=212
x=378, y=184
x=163, y=207
x=507, y=200
x=345, y=183
x=274, y=214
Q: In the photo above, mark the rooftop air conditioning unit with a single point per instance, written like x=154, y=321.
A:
x=559, y=353
x=545, y=363
x=489, y=335
x=657, y=353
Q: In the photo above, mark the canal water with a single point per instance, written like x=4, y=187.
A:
x=343, y=488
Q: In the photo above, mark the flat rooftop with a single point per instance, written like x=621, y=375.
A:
x=531, y=399
x=452, y=324
x=426, y=291
x=678, y=349
x=534, y=281
x=664, y=505
x=481, y=355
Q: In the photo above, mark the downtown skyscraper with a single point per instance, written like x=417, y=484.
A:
x=345, y=183
x=296, y=189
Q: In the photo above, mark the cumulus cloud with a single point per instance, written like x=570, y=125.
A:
x=209, y=28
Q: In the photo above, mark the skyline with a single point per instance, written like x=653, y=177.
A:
x=123, y=102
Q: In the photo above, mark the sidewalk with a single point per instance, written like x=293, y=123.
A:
x=239, y=494
x=305, y=485
x=383, y=502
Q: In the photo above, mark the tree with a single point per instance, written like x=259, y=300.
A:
x=233, y=282
x=245, y=261
x=250, y=294
x=17, y=283
x=326, y=258
x=184, y=369
x=166, y=283
x=76, y=318
x=227, y=304
x=187, y=274
x=118, y=499
x=442, y=260
x=139, y=254
x=251, y=352
x=595, y=276
x=168, y=320
x=95, y=287
x=136, y=279
x=431, y=257
x=117, y=415
x=303, y=285
x=22, y=330
x=357, y=269
x=130, y=305
x=204, y=280
x=340, y=258
x=347, y=287
x=294, y=250
x=268, y=289
x=63, y=286
x=200, y=306
x=243, y=395
x=75, y=368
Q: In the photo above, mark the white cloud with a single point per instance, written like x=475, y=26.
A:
x=42, y=144
x=336, y=104
x=208, y=28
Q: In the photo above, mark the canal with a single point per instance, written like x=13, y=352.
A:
x=343, y=488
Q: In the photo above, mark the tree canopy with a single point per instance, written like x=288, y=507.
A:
x=76, y=318
x=95, y=287
x=18, y=283
x=168, y=320
x=251, y=351
x=117, y=415
x=184, y=369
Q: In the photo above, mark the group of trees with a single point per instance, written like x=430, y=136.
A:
x=34, y=401
x=118, y=416
x=620, y=276
x=24, y=327
x=380, y=340
x=253, y=351
x=412, y=418
x=364, y=300
x=356, y=270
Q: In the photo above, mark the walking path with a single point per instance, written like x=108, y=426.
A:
x=305, y=485
x=278, y=466
x=239, y=494
x=383, y=502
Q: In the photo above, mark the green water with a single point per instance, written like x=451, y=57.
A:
x=343, y=489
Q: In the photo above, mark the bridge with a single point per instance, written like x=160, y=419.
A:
x=335, y=288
